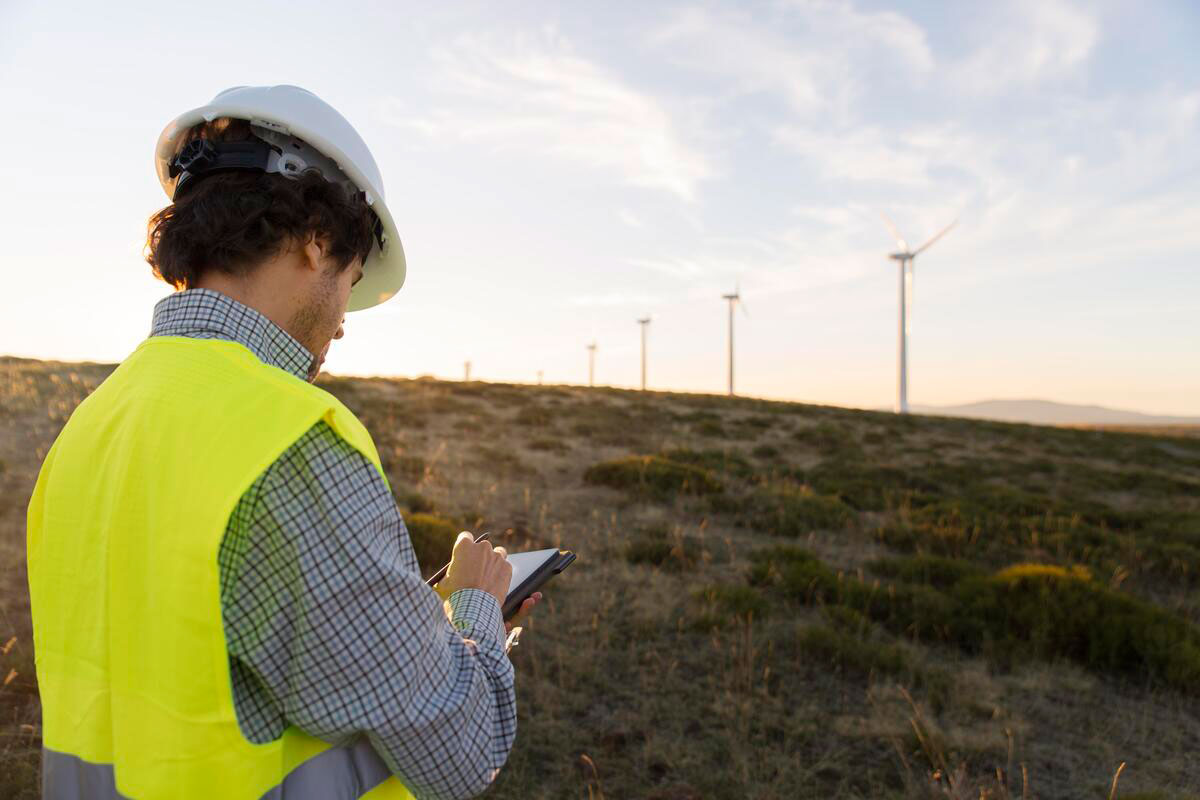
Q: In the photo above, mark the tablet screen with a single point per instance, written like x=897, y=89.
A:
x=525, y=564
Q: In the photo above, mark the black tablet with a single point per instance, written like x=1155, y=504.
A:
x=530, y=572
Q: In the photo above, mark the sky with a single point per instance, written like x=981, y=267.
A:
x=558, y=170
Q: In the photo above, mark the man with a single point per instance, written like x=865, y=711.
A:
x=225, y=600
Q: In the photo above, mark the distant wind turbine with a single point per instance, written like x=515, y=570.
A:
x=645, y=323
x=734, y=299
x=905, y=258
x=592, y=363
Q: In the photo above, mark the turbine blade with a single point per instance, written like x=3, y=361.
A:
x=891, y=226
x=939, y=235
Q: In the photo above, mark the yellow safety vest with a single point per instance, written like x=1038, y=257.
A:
x=123, y=531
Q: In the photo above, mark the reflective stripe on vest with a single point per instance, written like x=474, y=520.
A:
x=124, y=527
x=341, y=772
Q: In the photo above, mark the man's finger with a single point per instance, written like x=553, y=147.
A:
x=503, y=551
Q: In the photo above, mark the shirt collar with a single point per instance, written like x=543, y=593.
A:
x=208, y=314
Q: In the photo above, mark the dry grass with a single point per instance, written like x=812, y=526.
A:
x=655, y=669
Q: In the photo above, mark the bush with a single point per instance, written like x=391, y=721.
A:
x=413, y=502
x=847, y=619
x=851, y=653
x=1052, y=612
x=795, y=511
x=653, y=476
x=1025, y=611
x=723, y=603
x=432, y=540
x=408, y=467
x=767, y=452
x=716, y=461
x=653, y=546
x=534, y=416
x=865, y=486
x=941, y=573
x=795, y=572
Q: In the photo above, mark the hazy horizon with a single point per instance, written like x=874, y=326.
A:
x=556, y=173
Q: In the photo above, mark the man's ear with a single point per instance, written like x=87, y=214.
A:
x=313, y=253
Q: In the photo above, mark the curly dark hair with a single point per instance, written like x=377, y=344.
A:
x=232, y=221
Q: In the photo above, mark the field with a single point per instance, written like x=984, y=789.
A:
x=773, y=600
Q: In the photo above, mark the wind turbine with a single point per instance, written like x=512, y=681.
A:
x=734, y=299
x=592, y=363
x=905, y=258
x=644, y=322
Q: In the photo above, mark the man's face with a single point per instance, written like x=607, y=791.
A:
x=322, y=316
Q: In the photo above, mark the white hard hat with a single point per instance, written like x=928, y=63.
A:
x=289, y=111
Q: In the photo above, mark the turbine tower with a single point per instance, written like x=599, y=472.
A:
x=904, y=256
x=644, y=322
x=734, y=299
x=592, y=363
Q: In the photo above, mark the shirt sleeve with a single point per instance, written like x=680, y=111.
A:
x=327, y=613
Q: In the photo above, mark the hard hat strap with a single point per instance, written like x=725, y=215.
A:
x=201, y=157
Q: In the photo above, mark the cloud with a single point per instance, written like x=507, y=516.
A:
x=534, y=93
x=1037, y=40
x=615, y=299
x=672, y=267
x=908, y=156
x=629, y=218
x=817, y=54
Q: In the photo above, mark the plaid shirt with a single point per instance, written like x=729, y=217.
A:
x=329, y=625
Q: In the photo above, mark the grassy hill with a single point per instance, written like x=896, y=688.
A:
x=773, y=600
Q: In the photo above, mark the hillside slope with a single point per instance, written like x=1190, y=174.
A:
x=772, y=600
x=1046, y=412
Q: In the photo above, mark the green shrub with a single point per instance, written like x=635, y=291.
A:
x=723, y=603
x=795, y=572
x=850, y=653
x=1025, y=611
x=847, y=619
x=649, y=551
x=1052, y=612
x=795, y=511
x=865, y=486
x=432, y=539
x=654, y=546
x=767, y=452
x=653, y=476
x=716, y=461
x=827, y=437
x=413, y=502
x=918, y=612
x=409, y=468
x=941, y=573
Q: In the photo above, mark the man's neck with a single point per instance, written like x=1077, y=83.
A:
x=268, y=301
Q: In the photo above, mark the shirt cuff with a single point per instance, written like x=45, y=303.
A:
x=476, y=614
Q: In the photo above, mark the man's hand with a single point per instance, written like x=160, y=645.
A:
x=525, y=608
x=477, y=566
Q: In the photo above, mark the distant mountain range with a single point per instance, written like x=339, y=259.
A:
x=1045, y=412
